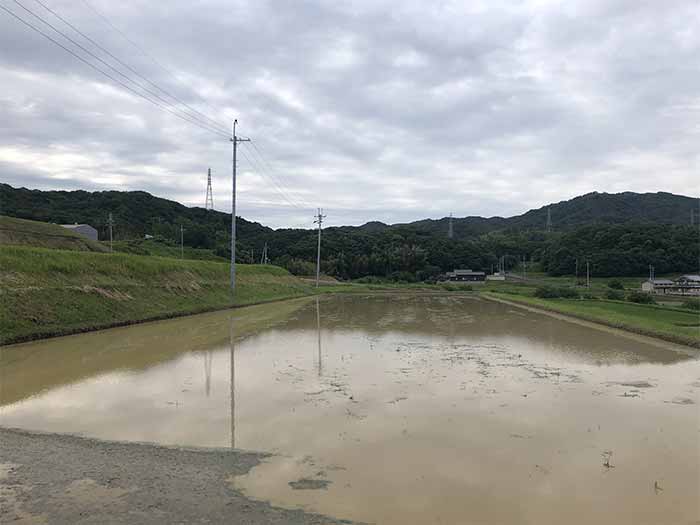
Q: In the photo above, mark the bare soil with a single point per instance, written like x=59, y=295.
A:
x=51, y=478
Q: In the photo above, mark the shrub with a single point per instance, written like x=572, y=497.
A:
x=554, y=292
x=616, y=285
x=692, y=304
x=615, y=295
x=641, y=298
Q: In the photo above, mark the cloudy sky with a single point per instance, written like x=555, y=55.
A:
x=374, y=110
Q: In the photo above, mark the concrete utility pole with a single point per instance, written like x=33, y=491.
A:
x=235, y=140
x=111, y=238
x=588, y=274
x=182, y=242
x=263, y=257
x=319, y=221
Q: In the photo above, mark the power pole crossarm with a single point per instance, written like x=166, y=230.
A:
x=235, y=140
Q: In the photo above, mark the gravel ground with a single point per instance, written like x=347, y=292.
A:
x=51, y=478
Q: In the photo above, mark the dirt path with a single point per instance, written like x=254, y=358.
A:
x=48, y=478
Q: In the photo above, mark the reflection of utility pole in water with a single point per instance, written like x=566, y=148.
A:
x=208, y=358
x=318, y=331
x=233, y=388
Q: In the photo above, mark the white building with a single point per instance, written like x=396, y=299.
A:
x=684, y=285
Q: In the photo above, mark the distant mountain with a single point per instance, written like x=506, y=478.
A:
x=589, y=209
x=654, y=226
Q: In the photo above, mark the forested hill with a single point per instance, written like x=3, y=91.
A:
x=135, y=213
x=621, y=234
x=592, y=208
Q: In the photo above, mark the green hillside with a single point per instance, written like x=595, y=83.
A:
x=619, y=234
x=50, y=292
x=23, y=232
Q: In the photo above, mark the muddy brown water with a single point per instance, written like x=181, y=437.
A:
x=392, y=409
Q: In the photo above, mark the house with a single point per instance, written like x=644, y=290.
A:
x=661, y=286
x=684, y=285
x=687, y=285
x=498, y=276
x=466, y=275
x=83, y=229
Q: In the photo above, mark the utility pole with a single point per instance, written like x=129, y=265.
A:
x=549, y=219
x=588, y=274
x=235, y=140
x=209, y=200
x=319, y=221
x=182, y=242
x=263, y=257
x=111, y=238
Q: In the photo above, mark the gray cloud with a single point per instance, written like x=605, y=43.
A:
x=371, y=109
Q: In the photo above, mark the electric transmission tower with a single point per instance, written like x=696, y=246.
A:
x=319, y=221
x=450, y=229
x=209, y=202
x=549, y=220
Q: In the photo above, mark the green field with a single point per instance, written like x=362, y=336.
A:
x=671, y=324
x=46, y=292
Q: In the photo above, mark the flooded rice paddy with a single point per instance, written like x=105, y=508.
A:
x=392, y=408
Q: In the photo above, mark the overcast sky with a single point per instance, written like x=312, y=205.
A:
x=374, y=110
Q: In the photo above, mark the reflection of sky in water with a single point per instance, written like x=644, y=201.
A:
x=451, y=401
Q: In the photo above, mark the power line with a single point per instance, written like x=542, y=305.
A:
x=256, y=167
x=290, y=198
x=139, y=48
x=112, y=67
x=195, y=113
x=279, y=176
x=101, y=71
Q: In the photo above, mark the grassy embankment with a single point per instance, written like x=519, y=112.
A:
x=45, y=292
x=22, y=232
x=670, y=323
x=160, y=248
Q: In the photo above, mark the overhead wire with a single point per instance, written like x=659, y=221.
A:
x=279, y=178
x=254, y=165
x=256, y=160
x=184, y=117
x=196, y=113
x=105, y=20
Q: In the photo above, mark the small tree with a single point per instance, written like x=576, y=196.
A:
x=641, y=298
x=616, y=284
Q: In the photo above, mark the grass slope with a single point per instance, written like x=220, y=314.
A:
x=671, y=324
x=23, y=232
x=161, y=248
x=45, y=292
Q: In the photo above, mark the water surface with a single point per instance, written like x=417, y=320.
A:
x=392, y=409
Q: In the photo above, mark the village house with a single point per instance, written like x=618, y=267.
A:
x=466, y=275
x=684, y=285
